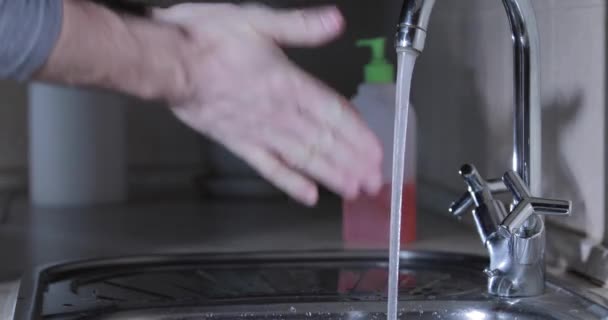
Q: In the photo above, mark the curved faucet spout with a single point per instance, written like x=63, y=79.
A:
x=526, y=157
x=527, y=118
x=411, y=35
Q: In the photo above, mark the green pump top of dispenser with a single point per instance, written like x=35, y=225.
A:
x=378, y=70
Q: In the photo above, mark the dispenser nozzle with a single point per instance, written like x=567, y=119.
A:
x=379, y=69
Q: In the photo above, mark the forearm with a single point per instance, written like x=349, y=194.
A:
x=99, y=47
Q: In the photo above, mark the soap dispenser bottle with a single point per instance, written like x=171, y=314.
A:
x=366, y=219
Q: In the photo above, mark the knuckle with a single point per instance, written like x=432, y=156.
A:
x=302, y=159
x=255, y=13
x=300, y=17
x=254, y=7
x=274, y=170
x=226, y=7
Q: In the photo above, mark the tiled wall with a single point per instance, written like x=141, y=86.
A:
x=463, y=94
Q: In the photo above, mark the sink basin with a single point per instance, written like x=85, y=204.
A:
x=418, y=310
x=321, y=285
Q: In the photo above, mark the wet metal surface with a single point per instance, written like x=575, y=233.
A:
x=35, y=237
x=8, y=299
x=39, y=236
x=320, y=285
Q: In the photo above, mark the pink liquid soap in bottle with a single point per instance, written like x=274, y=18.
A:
x=365, y=221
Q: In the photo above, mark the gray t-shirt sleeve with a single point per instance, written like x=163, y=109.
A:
x=29, y=30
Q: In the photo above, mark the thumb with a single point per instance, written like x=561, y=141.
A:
x=174, y=14
x=299, y=27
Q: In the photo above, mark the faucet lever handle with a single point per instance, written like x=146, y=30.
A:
x=475, y=183
x=463, y=205
x=516, y=185
x=527, y=205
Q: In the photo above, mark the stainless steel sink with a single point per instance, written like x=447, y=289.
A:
x=326, y=285
x=556, y=304
x=363, y=311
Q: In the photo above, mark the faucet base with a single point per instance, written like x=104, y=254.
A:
x=508, y=285
x=515, y=240
x=517, y=266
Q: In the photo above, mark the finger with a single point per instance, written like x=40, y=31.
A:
x=308, y=157
x=174, y=14
x=298, y=27
x=329, y=108
x=340, y=153
x=334, y=112
x=276, y=172
x=182, y=13
x=332, y=147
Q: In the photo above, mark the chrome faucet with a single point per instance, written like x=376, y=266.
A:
x=515, y=240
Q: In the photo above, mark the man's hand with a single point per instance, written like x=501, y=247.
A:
x=247, y=95
x=222, y=71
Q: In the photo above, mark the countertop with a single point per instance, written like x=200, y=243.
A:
x=33, y=237
x=36, y=236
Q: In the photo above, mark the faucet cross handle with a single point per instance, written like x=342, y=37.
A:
x=527, y=205
x=476, y=183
